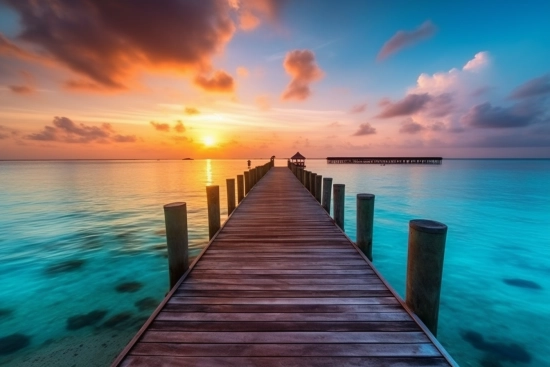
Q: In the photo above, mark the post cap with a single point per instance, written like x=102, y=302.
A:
x=365, y=197
x=175, y=205
x=428, y=226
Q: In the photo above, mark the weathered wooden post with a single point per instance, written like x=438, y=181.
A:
x=246, y=182
x=312, y=183
x=339, y=199
x=365, y=218
x=240, y=188
x=425, y=269
x=213, y=200
x=318, y=187
x=177, y=240
x=230, y=195
x=306, y=179
x=327, y=189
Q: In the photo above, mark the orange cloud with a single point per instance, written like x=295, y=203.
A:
x=21, y=89
x=179, y=127
x=242, y=71
x=251, y=11
x=191, y=111
x=219, y=82
x=406, y=38
x=160, y=126
x=301, y=66
x=107, y=43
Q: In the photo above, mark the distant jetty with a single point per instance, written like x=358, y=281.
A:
x=384, y=160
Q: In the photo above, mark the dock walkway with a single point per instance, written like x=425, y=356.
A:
x=282, y=285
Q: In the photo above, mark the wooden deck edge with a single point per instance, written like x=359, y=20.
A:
x=168, y=295
x=421, y=324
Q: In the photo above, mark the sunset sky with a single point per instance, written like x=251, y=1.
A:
x=254, y=78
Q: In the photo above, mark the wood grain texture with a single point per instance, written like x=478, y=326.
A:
x=281, y=285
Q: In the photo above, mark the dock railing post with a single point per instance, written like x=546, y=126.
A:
x=327, y=190
x=177, y=240
x=312, y=184
x=339, y=199
x=425, y=269
x=230, y=195
x=246, y=182
x=365, y=219
x=306, y=179
x=318, y=187
x=213, y=201
x=240, y=188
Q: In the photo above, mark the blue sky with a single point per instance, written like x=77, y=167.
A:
x=361, y=78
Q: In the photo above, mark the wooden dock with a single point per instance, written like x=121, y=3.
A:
x=384, y=160
x=281, y=285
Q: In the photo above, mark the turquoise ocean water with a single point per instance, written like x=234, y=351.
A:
x=83, y=261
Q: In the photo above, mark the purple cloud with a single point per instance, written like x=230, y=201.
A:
x=411, y=127
x=406, y=38
x=365, y=129
x=486, y=116
x=65, y=130
x=534, y=87
x=407, y=106
x=359, y=108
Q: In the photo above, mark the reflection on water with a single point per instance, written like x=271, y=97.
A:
x=83, y=256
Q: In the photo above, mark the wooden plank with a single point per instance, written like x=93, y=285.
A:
x=154, y=361
x=281, y=308
x=283, y=301
x=269, y=337
x=288, y=317
x=287, y=350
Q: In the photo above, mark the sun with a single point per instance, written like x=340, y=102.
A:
x=208, y=141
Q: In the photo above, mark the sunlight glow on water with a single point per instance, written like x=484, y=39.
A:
x=88, y=237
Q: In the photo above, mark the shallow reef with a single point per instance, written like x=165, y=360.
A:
x=496, y=352
x=146, y=304
x=65, y=266
x=12, y=343
x=129, y=287
x=91, y=318
x=522, y=283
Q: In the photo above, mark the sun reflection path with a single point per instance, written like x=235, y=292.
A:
x=209, y=172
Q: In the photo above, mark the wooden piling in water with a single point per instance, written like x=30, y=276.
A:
x=318, y=187
x=213, y=201
x=230, y=182
x=312, y=184
x=246, y=182
x=327, y=190
x=339, y=200
x=240, y=188
x=365, y=219
x=177, y=240
x=425, y=269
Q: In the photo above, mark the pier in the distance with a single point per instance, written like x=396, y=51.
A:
x=384, y=160
x=280, y=284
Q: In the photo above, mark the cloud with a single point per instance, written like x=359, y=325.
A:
x=242, y=71
x=359, y=108
x=335, y=124
x=21, y=89
x=85, y=85
x=301, y=66
x=65, y=130
x=486, y=116
x=160, y=126
x=534, y=87
x=407, y=106
x=6, y=132
x=191, y=111
x=108, y=42
x=406, y=38
x=251, y=11
x=365, y=129
x=220, y=82
x=480, y=60
x=9, y=48
x=263, y=102
x=179, y=127
x=410, y=127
